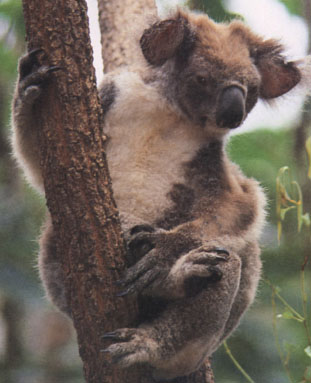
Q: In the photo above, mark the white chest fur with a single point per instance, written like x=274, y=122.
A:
x=149, y=143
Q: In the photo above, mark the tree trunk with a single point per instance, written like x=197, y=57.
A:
x=78, y=187
x=77, y=184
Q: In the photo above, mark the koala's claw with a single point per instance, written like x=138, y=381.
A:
x=28, y=62
x=54, y=68
x=140, y=241
x=211, y=256
x=38, y=76
x=35, y=51
x=220, y=250
x=120, y=334
x=123, y=293
x=139, y=278
x=139, y=228
x=108, y=335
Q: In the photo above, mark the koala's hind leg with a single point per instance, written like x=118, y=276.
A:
x=177, y=341
x=51, y=268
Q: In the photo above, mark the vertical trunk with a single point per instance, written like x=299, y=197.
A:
x=77, y=184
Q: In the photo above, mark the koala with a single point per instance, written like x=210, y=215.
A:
x=191, y=219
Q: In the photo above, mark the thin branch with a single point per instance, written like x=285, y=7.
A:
x=117, y=20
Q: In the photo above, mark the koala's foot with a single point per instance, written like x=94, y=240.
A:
x=195, y=270
x=201, y=262
x=135, y=345
x=32, y=77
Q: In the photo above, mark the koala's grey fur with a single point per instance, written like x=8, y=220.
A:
x=191, y=218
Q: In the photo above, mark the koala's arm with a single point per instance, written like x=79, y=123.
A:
x=24, y=138
x=32, y=78
x=30, y=84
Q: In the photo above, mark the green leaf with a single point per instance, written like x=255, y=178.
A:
x=299, y=205
x=308, y=352
x=288, y=315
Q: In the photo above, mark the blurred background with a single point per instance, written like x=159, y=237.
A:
x=37, y=344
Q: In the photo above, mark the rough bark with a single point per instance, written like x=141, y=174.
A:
x=117, y=19
x=77, y=184
x=78, y=187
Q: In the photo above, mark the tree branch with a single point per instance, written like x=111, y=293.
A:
x=117, y=19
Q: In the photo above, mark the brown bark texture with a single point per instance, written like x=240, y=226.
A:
x=78, y=187
x=77, y=184
x=117, y=20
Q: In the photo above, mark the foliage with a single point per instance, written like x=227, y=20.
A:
x=289, y=197
x=255, y=153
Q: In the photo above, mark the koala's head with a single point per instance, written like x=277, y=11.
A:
x=216, y=72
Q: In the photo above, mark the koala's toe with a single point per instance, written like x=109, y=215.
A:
x=29, y=62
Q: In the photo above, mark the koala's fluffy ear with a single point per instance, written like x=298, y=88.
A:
x=164, y=39
x=277, y=76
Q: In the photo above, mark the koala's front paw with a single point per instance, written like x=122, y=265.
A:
x=140, y=240
x=135, y=345
x=145, y=275
x=196, y=269
x=32, y=77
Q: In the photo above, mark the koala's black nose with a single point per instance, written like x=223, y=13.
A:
x=231, y=108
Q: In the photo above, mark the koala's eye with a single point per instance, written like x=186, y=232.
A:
x=201, y=80
x=254, y=58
